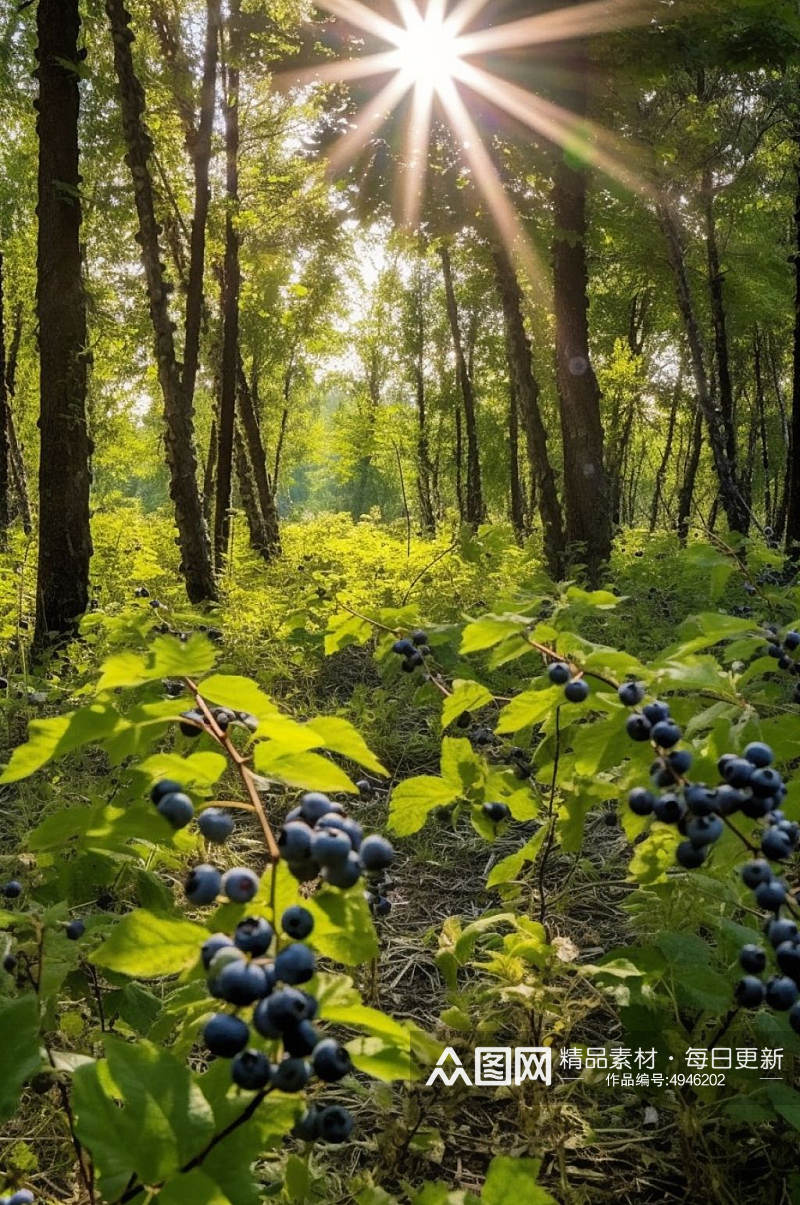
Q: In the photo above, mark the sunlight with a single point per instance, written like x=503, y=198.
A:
x=428, y=51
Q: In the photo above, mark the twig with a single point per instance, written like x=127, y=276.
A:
x=551, y=832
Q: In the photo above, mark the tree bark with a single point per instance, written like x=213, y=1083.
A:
x=730, y=497
x=210, y=473
x=19, y=475
x=686, y=493
x=719, y=321
x=270, y=545
x=231, y=288
x=793, y=493
x=517, y=509
x=762, y=429
x=259, y=539
x=178, y=415
x=526, y=391
x=4, y=412
x=201, y=150
x=426, y=515
x=474, y=512
x=65, y=545
x=661, y=472
x=586, y=495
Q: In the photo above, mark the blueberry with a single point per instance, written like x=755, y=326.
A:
x=9, y=964
x=776, y=845
x=284, y=1008
x=304, y=871
x=225, y=1035
x=334, y=1124
x=294, y=841
x=291, y=1075
x=781, y=992
x=12, y=890
x=165, y=786
x=295, y=964
x=203, y=884
x=23, y=1197
x=771, y=895
x=662, y=774
x=365, y=786
x=723, y=761
x=781, y=929
x=329, y=847
x=75, y=930
x=752, y=959
x=700, y=799
x=641, y=801
x=638, y=727
x=764, y=782
x=577, y=691
x=403, y=647
x=759, y=754
x=215, y=825
x=297, y=922
x=689, y=855
x=314, y=805
x=704, y=830
x=242, y=982
x=254, y=935
x=774, y=650
x=755, y=872
x=294, y=814
x=794, y=1017
x=331, y=1061
x=666, y=734
x=559, y=673
x=728, y=800
x=376, y=853
x=306, y=1128
x=496, y=812
x=215, y=943
x=192, y=723
x=240, y=885
x=668, y=808
x=680, y=760
x=655, y=712
x=251, y=1070
x=749, y=991
x=301, y=1039
x=344, y=874
x=345, y=825
x=176, y=808
x=630, y=693
x=382, y=906
x=419, y=637
x=787, y=955
x=791, y=640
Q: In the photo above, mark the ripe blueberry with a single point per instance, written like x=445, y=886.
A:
x=294, y=841
x=203, y=884
x=297, y=922
x=12, y=890
x=251, y=1070
x=496, y=812
x=679, y=760
x=771, y=894
x=668, y=808
x=781, y=929
x=781, y=992
x=192, y=724
x=176, y=808
x=303, y=871
x=345, y=825
x=376, y=853
x=403, y=647
x=638, y=727
x=284, y=1008
x=655, y=712
x=331, y=1061
x=306, y=1128
x=791, y=640
x=749, y=991
x=752, y=959
x=689, y=855
x=242, y=982
x=291, y=1075
x=335, y=1124
x=295, y=964
x=577, y=691
x=787, y=955
x=165, y=786
x=666, y=734
x=301, y=1039
x=765, y=782
x=314, y=804
x=641, y=801
x=225, y=1035
x=558, y=673
x=759, y=754
x=215, y=825
x=329, y=847
x=254, y=935
x=240, y=885
x=75, y=930
x=630, y=693
x=776, y=845
x=419, y=637
x=704, y=830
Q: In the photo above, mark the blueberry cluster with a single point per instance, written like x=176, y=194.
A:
x=413, y=649
x=782, y=990
x=204, y=883
x=784, y=652
x=317, y=838
x=254, y=968
x=176, y=807
x=23, y=1197
x=575, y=689
x=193, y=722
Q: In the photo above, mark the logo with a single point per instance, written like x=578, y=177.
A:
x=496, y=1067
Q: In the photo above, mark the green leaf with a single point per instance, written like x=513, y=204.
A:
x=20, y=1056
x=192, y=1188
x=508, y=868
x=513, y=1179
x=345, y=629
x=466, y=696
x=60, y=734
x=296, y=1178
x=343, y=928
x=309, y=770
x=197, y=770
x=655, y=855
x=240, y=694
x=530, y=707
x=488, y=631
x=147, y=945
x=785, y=1101
x=462, y=767
x=413, y=799
x=340, y=736
x=173, y=658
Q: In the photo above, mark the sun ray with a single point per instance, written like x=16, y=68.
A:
x=556, y=124
x=487, y=180
x=417, y=142
x=368, y=120
x=465, y=12
x=558, y=25
x=358, y=14
x=339, y=71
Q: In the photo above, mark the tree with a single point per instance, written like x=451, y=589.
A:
x=474, y=512
x=65, y=545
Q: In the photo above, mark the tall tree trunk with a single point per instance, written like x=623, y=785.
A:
x=459, y=457
x=259, y=539
x=19, y=475
x=179, y=426
x=793, y=493
x=661, y=472
x=201, y=150
x=65, y=545
x=762, y=429
x=265, y=495
x=517, y=505
x=586, y=495
x=782, y=488
x=210, y=473
x=426, y=515
x=526, y=391
x=686, y=493
x=4, y=412
x=718, y=318
x=730, y=497
x=473, y=503
x=232, y=282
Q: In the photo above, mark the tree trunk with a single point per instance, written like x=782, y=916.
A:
x=230, y=305
x=793, y=492
x=474, y=513
x=179, y=427
x=4, y=412
x=459, y=456
x=426, y=515
x=259, y=539
x=762, y=429
x=201, y=149
x=782, y=489
x=661, y=472
x=517, y=507
x=588, y=518
x=19, y=475
x=686, y=493
x=210, y=473
x=526, y=391
x=719, y=321
x=265, y=496
x=732, y=501
x=65, y=545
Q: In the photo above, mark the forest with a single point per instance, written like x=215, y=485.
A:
x=399, y=602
